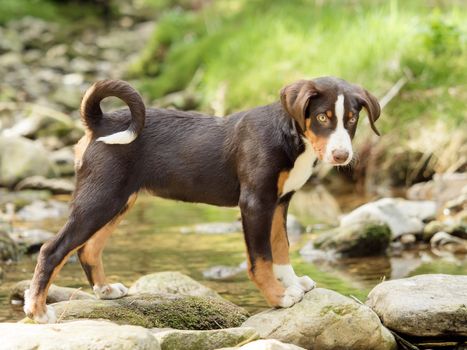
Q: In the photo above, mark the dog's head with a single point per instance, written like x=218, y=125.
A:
x=326, y=111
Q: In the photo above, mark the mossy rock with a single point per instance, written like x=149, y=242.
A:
x=157, y=310
x=356, y=240
x=8, y=248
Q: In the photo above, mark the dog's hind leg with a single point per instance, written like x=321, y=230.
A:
x=93, y=207
x=282, y=268
x=90, y=257
x=257, y=217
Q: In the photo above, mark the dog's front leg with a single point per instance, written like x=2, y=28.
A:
x=282, y=268
x=257, y=217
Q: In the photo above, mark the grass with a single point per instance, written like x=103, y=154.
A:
x=253, y=48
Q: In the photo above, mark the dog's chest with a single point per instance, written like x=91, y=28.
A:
x=301, y=171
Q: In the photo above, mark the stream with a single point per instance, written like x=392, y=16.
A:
x=148, y=241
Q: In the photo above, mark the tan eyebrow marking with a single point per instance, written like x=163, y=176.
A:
x=329, y=114
x=350, y=114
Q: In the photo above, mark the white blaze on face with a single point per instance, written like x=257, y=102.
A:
x=340, y=138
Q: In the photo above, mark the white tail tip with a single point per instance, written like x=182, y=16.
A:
x=119, y=138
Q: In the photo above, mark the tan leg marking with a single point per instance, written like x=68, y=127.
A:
x=91, y=253
x=279, y=241
x=283, y=176
x=263, y=277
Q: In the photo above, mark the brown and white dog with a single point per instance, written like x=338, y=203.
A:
x=254, y=159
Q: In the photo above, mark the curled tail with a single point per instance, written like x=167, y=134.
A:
x=91, y=112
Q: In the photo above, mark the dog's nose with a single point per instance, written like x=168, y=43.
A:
x=340, y=155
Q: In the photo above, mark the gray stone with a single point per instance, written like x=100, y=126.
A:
x=423, y=306
x=266, y=344
x=21, y=198
x=400, y=215
x=55, y=295
x=157, y=311
x=173, y=339
x=30, y=240
x=41, y=210
x=324, y=320
x=64, y=161
x=56, y=186
x=172, y=282
x=360, y=239
x=445, y=241
x=20, y=158
x=78, y=335
x=223, y=272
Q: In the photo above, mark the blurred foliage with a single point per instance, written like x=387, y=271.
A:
x=255, y=47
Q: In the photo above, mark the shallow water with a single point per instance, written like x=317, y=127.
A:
x=147, y=242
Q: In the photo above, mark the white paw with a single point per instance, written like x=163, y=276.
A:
x=110, y=291
x=306, y=283
x=292, y=295
x=47, y=317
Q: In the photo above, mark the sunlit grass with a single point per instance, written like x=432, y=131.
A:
x=254, y=48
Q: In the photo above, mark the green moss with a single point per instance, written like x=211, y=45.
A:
x=159, y=310
x=439, y=266
x=340, y=310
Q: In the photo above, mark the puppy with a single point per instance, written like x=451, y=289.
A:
x=255, y=159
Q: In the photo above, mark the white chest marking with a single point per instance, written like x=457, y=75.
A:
x=302, y=169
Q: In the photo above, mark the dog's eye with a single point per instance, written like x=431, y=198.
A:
x=322, y=118
x=353, y=120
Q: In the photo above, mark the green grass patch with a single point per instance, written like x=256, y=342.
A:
x=255, y=47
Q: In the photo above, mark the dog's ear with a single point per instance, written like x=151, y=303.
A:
x=295, y=99
x=371, y=104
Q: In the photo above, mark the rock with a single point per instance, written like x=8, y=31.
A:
x=8, y=248
x=56, y=186
x=443, y=188
x=213, y=228
x=452, y=226
x=56, y=293
x=173, y=339
x=223, y=272
x=445, y=241
x=400, y=215
x=91, y=335
x=20, y=158
x=64, y=161
x=323, y=320
x=423, y=305
x=41, y=210
x=266, y=344
x=408, y=239
x=360, y=239
x=313, y=255
x=30, y=240
x=157, y=311
x=172, y=282
x=318, y=204
x=21, y=198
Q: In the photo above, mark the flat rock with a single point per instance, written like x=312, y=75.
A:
x=20, y=158
x=358, y=239
x=324, y=320
x=30, y=240
x=174, y=339
x=56, y=186
x=266, y=344
x=42, y=210
x=172, y=282
x=78, y=335
x=55, y=295
x=423, y=306
x=157, y=311
x=402, y=216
